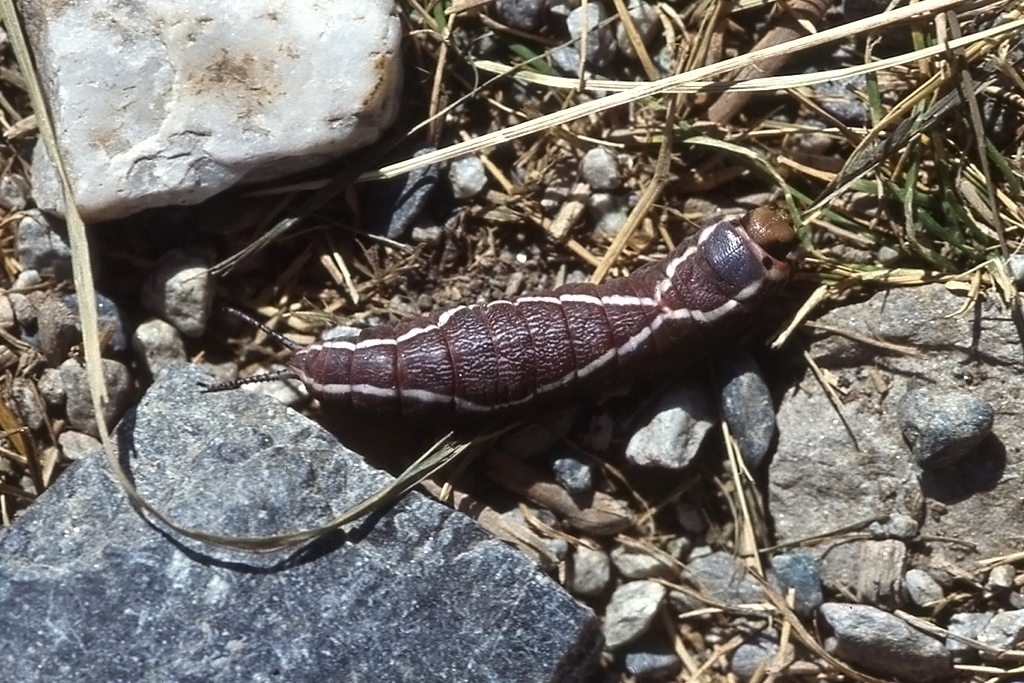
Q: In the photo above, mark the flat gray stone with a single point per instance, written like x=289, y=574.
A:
x=832, y=471
x=159, y=103
x=885, y=644
x=631, y=611
x=92, y=592
x=675, y=429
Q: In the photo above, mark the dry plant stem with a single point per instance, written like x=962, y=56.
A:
x=788, y=28
x=650, y=195
x=544, y=123
x=635, y=40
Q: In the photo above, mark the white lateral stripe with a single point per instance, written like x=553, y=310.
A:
x=597, y=363
x=415, y=332
x=579, y=299
x=538, y=299
x=625, y=300
x=447, y=315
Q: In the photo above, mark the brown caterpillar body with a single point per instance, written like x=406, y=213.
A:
x=507, y=356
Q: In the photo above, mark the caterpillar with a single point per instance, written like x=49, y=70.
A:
x=509, y=356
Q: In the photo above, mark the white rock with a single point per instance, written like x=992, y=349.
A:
x=158, y=345
x=161, y=102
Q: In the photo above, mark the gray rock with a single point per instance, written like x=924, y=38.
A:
x=749, y=656
x=1001, y=577
x=652, y=667
x=180, y=290
x=676, y=429
x=25, y=313
x=1015, y=268
x=226, y=100
x=600, y=48
x=724, y=579
x=7, y=319
x=574, y=475
x=943, y=427
x=111, y=323
x=608, y=212
x=56, y=325
x=690, y=518
x=467, y=176
x=632, y=563
x=645, y=20
x=871, y=570
x=392, y=206
x=158, y=345
x=898, y=525
x=1004, y=631
x=589, y=573
x=525, y=15
x=26, y=402
x=824, y=476
x=51, y=387
x=746, y=405
x=13, y=192
x=967, y=625
x=600, y=169
x=800, y=572
x=922, y=589
x=838, y=97
x=79, y=403
x=156, y=606
x=42, y=248
x=881, y=643
x=76, y=445
x=631, y=611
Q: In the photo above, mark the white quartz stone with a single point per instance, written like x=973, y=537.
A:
x=161, y=102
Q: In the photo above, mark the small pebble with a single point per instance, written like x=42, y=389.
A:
x=645, y=20
x=943, y=427
x=897, y=525
x=888, y=256
x=652, y=667
x=678, y=548
x=608, y=212
x=76, y=445
x=14, y=191
x=56, y=325
x=601, y=48
x=724, y=578
x=1001, y=578
x=675, y=431
x=800, y=572
x=525, y=15
x=51, y=387
x=7, y=319
x=574, y=475
x=600, y=169
x=966, y=625
x=838, y=98
x=392, y=206
x=24, y=312
x=633, y=563
x=40, y=247
x=79, y=403
x=180, y=291
x=690, y=518
x=158, y=345
x=589, y=572
x=884, y=644
x=27, y=279
x=1015, y=268
x=467, y=176
x=922, y=589
x=26, y=401
x=1004, y=631
x=631, y=611
x=1016, y=600
x=109, y=318
x=749, y=656
x=428, y=235
x=746, y=405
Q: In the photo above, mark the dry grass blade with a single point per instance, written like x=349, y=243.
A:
x=538, y=125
